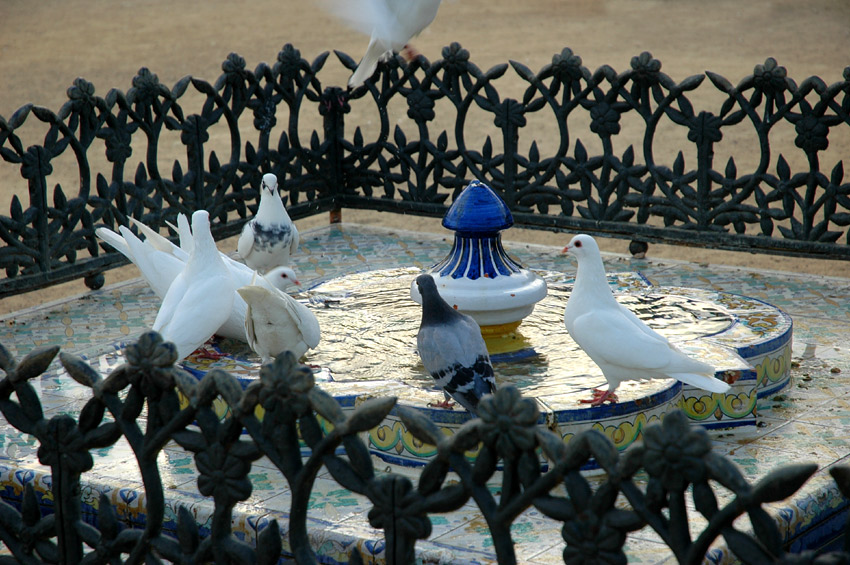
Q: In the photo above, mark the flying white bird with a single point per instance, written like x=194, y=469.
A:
x=391, y=24
x=160, y=261
x=268, y=240
x=452, y=349
x=617, y=340
x=200, y=298
x=276, y=322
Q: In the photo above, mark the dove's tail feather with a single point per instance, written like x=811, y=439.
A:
x=116, y=241
x=368, y=64
x=704, y=382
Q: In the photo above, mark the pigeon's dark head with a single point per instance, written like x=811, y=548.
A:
x=582, y=246
x=426, y=285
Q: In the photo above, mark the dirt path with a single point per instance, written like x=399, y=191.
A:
x=45, y=45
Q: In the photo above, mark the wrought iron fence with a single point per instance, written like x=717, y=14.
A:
x=676, y=458
x=628, y=190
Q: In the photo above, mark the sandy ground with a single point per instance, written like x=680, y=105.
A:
x=45, y=45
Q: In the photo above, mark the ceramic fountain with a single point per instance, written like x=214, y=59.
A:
x=369, y=325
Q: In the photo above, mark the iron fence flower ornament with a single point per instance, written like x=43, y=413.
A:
x=398, y=506
x=289, y=62
x=420, y=106
x=770, y=78
x=35, y=163
x=566, y=66
x=646, y=68
x=605, y=120
x=284, y=387
x=150, y=364
x=705, y=128
x=118, y=147
x=62, y=444
x=81, y=95
x=593, y=539
x=146, y=87
x=675, y=452
x=194, y=130
x=811, y=134
x=509, y=422
x=224, y=470
x=233, y=67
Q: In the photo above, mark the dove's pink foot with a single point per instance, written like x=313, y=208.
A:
x=409, y=53
x=208, y=351
x=600, y=397
x=445, y=404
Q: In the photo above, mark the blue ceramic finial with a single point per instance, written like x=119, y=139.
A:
x=477, y=217
x=478, y=210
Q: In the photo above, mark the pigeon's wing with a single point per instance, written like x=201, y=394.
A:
x=609, y=336
x=245, y=245
x=640, y=324
x=375, y=18
x=250, y=333
x=296, y=239
x=199, y=310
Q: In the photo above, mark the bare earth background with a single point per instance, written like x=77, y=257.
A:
x=46, y=44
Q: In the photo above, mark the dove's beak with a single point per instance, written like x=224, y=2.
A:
x=566, y=249
x=296, y=282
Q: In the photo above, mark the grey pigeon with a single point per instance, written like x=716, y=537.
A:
x=452, y=349
x=390, y=23
x=268, y=240
x=617, y=340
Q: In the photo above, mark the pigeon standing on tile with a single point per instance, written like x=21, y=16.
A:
x=617, y=340
x=200, y=298
x=276, y=322
x=391, y=24
x=452, y=349
x=268, y=240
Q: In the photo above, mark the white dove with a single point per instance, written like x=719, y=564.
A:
x=160, y=261
x=452, y=349
x=390, y=23
x=617, y=340
x=276, y=322
x=200, y=298
x=268, y=240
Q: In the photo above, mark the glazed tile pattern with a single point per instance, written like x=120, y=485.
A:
x=808, y=419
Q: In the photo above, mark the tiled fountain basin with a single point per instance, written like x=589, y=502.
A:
x=369, y=326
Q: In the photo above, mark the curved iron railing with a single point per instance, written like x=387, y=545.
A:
x=676, y=458
x=118, y=144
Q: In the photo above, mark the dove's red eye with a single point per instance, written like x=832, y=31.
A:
x=578, y=244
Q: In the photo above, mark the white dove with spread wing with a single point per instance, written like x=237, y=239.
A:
x=276, y=322
x=619, y=342
x=391, y=24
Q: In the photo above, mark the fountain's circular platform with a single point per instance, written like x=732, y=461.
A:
x=368, y=349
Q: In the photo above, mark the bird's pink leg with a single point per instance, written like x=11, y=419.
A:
x=207, y=351
x=446, y=404
x=600, y=397
x=409, y=53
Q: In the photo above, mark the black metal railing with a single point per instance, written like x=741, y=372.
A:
x=138, y=401
x=603, y=172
